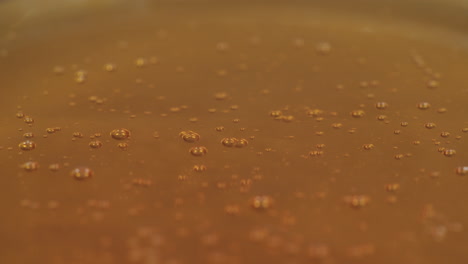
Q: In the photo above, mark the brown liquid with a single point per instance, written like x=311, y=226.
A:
x=310, y=135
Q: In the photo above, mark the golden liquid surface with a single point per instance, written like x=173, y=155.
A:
x=283, y=133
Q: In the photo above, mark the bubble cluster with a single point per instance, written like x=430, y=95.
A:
x=234, y=142
x=82, y=173
x=120, y=134
x=189, y=136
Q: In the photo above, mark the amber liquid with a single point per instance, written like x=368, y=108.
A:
x=252, y=133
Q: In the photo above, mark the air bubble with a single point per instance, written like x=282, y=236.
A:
x=241, y=143
x=30, y=166
x=28, y=135
x=287, y=119
x=441, y=110
x=323, y=48
x=221, y=96
x=120, y=134
x=27, y=145
x=82, y=173
x=424, y=105
x=432, y=84
x=222, y=46
x=54, y=167
x=95, y=144
x=189, y=136
x=110, y=67
x=381, y=117
x=198, y=151
x=445, y=134
x=449, y=152
x=381, y=105
x=77, y=135
x=357, y=201
x=122, y=146
x=368, y=146
x=392, y=187
x=140, y=62
x=276, y=113
x=58, y=70
x=316, y=153
x=358, y=113
x=28, y=120
x=229, y=142
x=430, y=125
x=315, y=112
x=337, y=125
x=199, y=168
x=262, y=202
x=462, y=170
x=80, y=76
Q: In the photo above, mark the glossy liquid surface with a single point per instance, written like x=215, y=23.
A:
x=164, y=133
